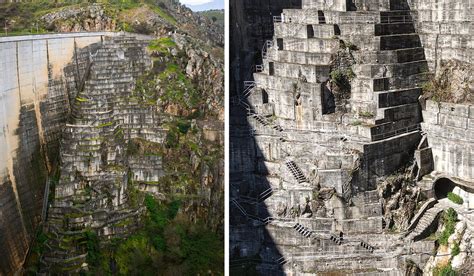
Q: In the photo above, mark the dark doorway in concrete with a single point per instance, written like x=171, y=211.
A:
x=310, y=31
x=271, y=67
x=280, y=44
x=264, y=96
x=442, y=187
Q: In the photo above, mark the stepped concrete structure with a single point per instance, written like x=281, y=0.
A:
x=332, y=110
x=34, y=104
x=97, y=170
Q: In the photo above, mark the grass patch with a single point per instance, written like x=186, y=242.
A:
x=449, y=219
x=161, y=45
x=455, y=250
x=444, y=270
x=170, y=19
x=105, y=124
x=366, y=114
x=455, y=198
x=81, y=99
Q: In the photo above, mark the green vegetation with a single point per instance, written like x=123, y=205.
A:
x=179, y=89
x=455, y=250
x=170, y=19
x=366, y=114
x=105, y=124
x=167, y=244
x=455, y=198
x=25, y=17
x=161, y=45
x=167, y=83
x=449, y=220
x=93, y=250
x=81, y=99
x=140, y=147
x=444, y=270
x=217, y=16
x=341, y=78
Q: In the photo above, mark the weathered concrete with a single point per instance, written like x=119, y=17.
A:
x=33, y=109
x=445, y=29
x=450, y=134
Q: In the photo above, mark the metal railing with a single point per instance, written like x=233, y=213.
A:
x=265, y=221
x=266, y=46
x=375, y=19
x=258, y=199
x=248, y=87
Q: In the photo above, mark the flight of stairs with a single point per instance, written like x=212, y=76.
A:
x=91, y=195
x=424, y=223
x=296, y=171
x=303, y=230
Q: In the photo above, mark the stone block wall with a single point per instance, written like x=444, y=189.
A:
x=450, y=131
x=445, y=28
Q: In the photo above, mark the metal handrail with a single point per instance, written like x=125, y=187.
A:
x=248, y=87
x=267, y=45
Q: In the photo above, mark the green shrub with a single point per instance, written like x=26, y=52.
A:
x=449, y=219
x=455, y=250
x=444, y=270
x=342, y=78
x=93, y=249
x=455, y=198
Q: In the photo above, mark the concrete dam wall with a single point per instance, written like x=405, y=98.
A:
x=34, y=106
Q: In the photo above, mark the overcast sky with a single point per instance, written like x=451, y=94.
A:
x=202, y=5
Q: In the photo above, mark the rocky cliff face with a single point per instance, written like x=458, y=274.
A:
x=137, y=16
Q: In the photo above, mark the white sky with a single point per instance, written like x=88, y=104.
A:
x=195, y=2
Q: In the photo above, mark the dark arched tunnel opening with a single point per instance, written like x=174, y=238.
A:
x=442, y=187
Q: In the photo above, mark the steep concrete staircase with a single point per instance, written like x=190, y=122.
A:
x=424, y=223
x=91, y=193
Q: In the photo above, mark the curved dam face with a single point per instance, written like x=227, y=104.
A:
x=34, y=106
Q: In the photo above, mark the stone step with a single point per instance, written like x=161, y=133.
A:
x=403, y=41
x=313, y=45
x=390, y=130
x=303, y=57
x=397, y=97
x=399, y=112
x=394, y=83
x=425, y=221
x=392, y=56
x=312, y=73
x=391, y=70
x=305, y=31
x=394, y=28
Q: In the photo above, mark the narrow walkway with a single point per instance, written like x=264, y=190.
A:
x=425, y=222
